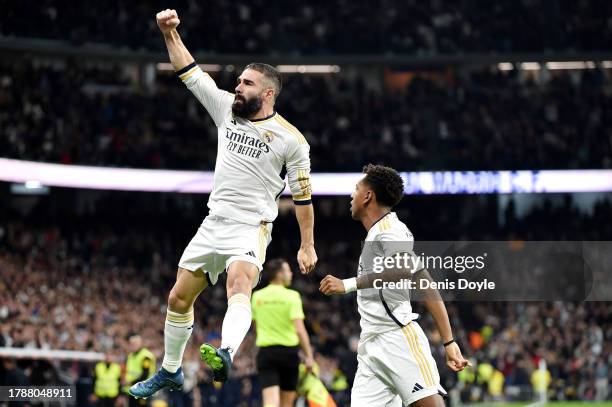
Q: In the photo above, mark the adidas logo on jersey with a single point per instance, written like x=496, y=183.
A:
x=417, y=387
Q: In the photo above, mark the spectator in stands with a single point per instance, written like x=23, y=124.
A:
x=471, y=120
x=317, y=27
x=63, y=289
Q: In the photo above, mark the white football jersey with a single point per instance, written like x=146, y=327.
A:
x=251, y=155
x=387, y=237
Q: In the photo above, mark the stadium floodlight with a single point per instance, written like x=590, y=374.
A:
x=167, y=66
x=554, y=65
x=570, y=65
x=32, y=184
x=29, y=187
x=302, y=69
x=312, y=69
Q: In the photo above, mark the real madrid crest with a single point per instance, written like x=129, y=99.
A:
x=268, y=136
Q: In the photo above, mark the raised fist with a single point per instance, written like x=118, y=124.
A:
x=167, y=20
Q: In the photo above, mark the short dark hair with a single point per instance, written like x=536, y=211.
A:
x=386, y=183
x=272, y=267
x=270, y=73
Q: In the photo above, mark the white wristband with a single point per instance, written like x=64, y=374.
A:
x=350, y=284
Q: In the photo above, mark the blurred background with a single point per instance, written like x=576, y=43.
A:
x=428, y=87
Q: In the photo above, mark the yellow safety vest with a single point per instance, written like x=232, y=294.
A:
x=311, y=387
x=340, y=383
x=540, y=379
x=496, y=383
x=467, y=375
x=108, y=377
x=134, y=365
x=484, y=372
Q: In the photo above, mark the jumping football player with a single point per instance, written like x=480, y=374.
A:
x=254, y=144
x=395, y=365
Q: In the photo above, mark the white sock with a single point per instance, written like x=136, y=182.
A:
x=176, y=334
x=236, y=323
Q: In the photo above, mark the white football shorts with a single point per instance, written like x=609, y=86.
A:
x=220, y=241
x=395, y=368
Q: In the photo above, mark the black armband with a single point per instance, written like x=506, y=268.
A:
x=186, y=69
x=449, y=342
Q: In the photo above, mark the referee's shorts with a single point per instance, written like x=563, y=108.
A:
x=278, y=366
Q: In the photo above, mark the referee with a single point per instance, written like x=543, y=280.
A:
x=279, y=322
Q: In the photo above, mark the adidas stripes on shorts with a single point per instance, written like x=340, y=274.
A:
x=395, y=368
x=221, y=241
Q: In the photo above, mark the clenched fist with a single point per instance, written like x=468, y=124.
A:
x=331, y=285
x=454, y=359
x=167, y=20
x=307, y=259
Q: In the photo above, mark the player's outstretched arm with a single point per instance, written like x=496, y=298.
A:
x=167, y=21
x=216, y=101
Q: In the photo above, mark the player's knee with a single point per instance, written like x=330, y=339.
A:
x=178, y=302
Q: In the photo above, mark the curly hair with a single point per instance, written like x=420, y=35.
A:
x=386, y=183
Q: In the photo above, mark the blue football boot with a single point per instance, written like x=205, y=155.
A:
x=162, y=379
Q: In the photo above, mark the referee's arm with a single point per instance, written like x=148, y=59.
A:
x=304, y=342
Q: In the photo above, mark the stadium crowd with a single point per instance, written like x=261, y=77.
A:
x=87, y=281
x=320, y=27
x=479, y=120
x=84, y=270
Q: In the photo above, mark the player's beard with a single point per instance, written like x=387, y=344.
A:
x=246, y=108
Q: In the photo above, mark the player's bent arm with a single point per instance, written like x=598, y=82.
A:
x=375, y=280
x=372, y=280
x=304, y=340
x=332, y=285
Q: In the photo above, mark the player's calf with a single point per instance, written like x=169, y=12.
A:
x=237, y=321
